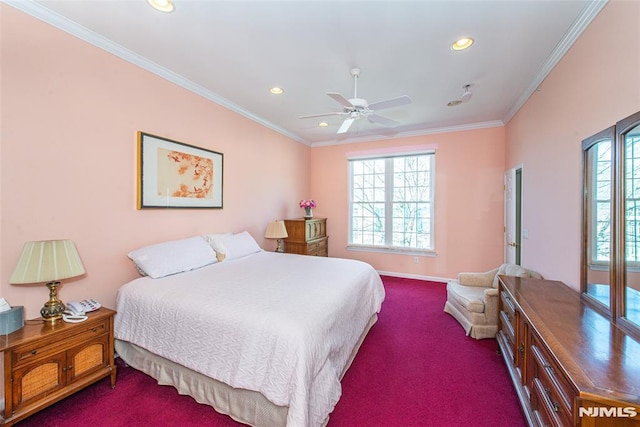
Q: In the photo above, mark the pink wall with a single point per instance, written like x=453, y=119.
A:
x=594, y=85
x=468, y=205
x=70, y=113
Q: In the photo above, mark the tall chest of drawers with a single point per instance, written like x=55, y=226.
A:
x=306, y=236
x=570, y=365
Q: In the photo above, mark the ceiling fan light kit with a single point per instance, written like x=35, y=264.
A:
x=466, y=96
x=355, y=108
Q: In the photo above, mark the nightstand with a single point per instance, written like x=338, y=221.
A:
x=306, y=236
x=44, y=363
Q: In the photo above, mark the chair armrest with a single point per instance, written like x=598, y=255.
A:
x=484, y=280
x=491, y=306
x=491, y=292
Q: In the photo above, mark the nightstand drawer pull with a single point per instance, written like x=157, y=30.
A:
x=34, y=351
x=94, y=329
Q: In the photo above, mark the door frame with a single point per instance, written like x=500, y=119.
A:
x=513, y=216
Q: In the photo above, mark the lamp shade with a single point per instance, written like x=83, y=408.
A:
x=276, y=230
x=47, y=261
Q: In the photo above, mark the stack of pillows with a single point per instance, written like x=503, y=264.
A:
x=177, y=256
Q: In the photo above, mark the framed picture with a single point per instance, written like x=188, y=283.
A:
x=172, y=174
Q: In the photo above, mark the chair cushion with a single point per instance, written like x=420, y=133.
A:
x=469, y=297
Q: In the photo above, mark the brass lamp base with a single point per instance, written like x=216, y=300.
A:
x=53, y=309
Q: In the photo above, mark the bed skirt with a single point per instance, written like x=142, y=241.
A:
x=245, y=406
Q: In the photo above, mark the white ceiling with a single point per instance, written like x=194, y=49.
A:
x=232, y=52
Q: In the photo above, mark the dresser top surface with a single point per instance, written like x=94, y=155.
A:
x=599, y=357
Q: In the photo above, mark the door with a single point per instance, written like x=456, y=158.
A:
x=512, y=215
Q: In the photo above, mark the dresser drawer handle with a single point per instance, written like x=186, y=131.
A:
x=550, y=368
x=556, y=405
x=94, y=329
x=521, y=348
x=34, y=352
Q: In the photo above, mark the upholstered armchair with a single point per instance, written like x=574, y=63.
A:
x=473, y=299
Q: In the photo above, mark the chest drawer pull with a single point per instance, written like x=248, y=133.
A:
x=555, y=405
x=34, y=351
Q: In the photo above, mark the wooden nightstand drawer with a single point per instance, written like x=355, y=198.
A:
x=83, y=332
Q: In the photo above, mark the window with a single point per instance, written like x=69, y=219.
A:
x=391, y=202
x=610, y=272
x=632, y=197
x=601, y=202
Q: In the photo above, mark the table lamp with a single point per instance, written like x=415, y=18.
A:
x=48, y=261
x=276, y=230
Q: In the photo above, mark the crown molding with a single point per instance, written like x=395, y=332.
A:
x=590, y=11
x=42, y=13
x=408, y=134
x=50, y=17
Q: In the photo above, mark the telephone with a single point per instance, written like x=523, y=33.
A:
x=76, y=310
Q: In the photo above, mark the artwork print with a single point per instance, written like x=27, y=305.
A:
x=177, y=175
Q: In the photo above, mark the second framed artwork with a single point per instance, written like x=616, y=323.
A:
x=172, y=174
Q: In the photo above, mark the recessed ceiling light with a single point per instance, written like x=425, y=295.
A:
x=462, y=43
x=323, y=124
x=161, y=5
x=276, y=90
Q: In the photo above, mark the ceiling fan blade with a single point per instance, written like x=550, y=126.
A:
x=340, y=99
x=323, y=115
x=393, y=102
x=374, y=118
x=346, y=125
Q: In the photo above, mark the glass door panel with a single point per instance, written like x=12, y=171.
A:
x=597, y=216
x=631, y=224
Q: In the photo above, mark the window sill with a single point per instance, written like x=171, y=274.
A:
x=393, y=250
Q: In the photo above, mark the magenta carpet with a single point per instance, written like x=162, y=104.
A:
x=416, y=368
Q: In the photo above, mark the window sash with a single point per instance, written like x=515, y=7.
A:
x=384, y=197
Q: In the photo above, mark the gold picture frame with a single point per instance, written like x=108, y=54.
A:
x=173, y=174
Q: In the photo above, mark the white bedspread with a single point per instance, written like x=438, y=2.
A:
x=283, y=325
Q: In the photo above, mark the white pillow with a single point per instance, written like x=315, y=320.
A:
x=235, y=246
x=173, y=257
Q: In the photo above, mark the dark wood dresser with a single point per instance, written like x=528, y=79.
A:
x=306, y=236
x=569, y=364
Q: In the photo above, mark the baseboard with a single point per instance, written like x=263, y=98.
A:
x=414, y=276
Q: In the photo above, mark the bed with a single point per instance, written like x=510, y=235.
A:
x=263, y=337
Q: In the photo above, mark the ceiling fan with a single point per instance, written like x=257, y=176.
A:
x=355, y=108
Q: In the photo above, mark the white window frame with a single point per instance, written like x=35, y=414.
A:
x=388, y=202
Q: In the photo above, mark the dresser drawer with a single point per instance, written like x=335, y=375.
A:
x=317, y=245
x=30, y=352
x=508, y=307
x=548, y=412
x=555, y=390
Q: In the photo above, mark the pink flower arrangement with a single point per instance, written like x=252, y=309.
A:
x=307, y=204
